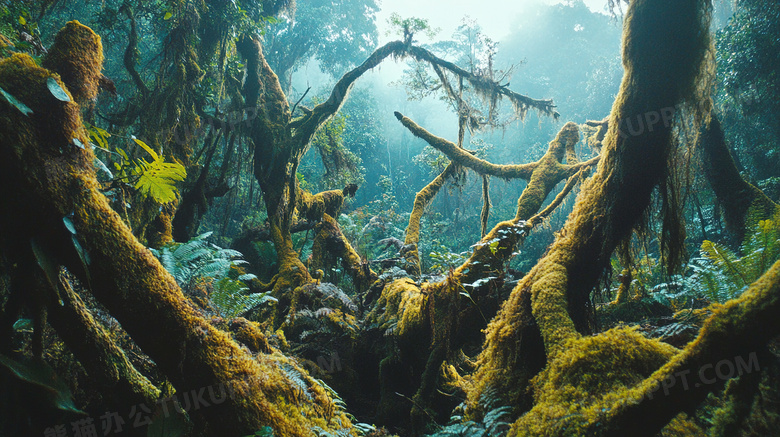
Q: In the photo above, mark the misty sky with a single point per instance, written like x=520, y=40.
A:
x=497, y=17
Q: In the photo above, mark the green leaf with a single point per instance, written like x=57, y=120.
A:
x=167, y=16
x=158, y=180
x=57, y=91
x=69, y=224
x=123, y=154
x=40, y=376
x=726, y=259
x=22, y=21
x=101, y=131
x=148, y=149
x=99, y=136
x=49, y=265
x=24, y=109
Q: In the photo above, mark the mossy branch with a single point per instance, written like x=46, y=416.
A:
x=735, y=331
x=570, y=184
x=421, y=201
x=306, y=127
x=548, y=172
x=103, y=360
x=312, y=207
x=331, y=242
x=487, y=87
x=464, y=158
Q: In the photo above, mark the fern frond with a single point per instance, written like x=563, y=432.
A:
x=229, y=298
x=228, y=253
x=158, y=179
x=720, y=274
x=726, y=260
x=148, y=149
x=761, y=248
x=297, y=380
x=190, y=251
x=214, y=268
x=197, y=259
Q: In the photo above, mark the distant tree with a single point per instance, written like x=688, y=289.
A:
x=337, y=34
x=748, y=51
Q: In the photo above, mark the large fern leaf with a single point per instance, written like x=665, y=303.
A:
x=761, y=248
x=726, y=260
x=720, y=274
x=198, y=259
x=231, y=301
x=158, y=179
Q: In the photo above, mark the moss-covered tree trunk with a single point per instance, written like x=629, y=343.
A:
x=449, y=315
x=735, y=195
x=50, y=184
x=666, y=47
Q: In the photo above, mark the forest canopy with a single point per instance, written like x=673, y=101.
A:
x=279, y=218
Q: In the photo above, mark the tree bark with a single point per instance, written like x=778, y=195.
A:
x=665, y=55
x=735, y=195
x=46, y=179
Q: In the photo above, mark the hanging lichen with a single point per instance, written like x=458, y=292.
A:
x=549, y=306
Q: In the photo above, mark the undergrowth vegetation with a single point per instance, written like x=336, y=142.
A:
x=200, y=266
x=720, y=273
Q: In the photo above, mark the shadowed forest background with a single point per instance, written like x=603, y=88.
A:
x=280, y=218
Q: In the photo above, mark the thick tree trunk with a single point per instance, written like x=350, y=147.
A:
x=665, y=50
x=735, y=195
x=47, y=178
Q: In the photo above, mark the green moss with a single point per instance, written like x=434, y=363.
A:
x=94, y=347
x=313, y=206
x=330, y=243
x=250, y=334
x=666, y=60
x=583, y=382
x=401, y=305
x=464, y=158
x=160, y=231
x=292, y=272
x=750, y=402
x=77, y=55
x=47, y=178
x=421, y=201
x=5, y=44
x=548, y=172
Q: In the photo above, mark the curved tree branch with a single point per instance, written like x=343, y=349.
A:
x=487, y=86
x=466, y=159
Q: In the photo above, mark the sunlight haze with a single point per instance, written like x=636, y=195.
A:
x=497, y=17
